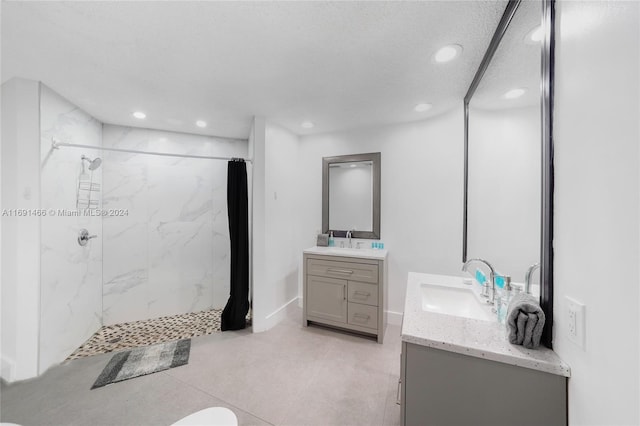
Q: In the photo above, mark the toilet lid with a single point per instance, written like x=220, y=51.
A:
x=212, y=416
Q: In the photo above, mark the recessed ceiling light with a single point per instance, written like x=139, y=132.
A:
x=353, y=165
x=422, y=107
x=139, y=115
x=307, y=125
x=534, y=36
x=447, y=53
x=201, y=123
x=514, y=93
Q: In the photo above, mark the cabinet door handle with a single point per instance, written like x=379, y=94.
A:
x=362, y=316
x=361, y=293
x=398, y=392
x=340, y=271
x=344, y=292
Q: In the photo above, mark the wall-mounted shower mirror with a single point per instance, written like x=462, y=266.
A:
x=351, y=195
x=507, y=216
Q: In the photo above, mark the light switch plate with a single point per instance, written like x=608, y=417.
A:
x=575, y=317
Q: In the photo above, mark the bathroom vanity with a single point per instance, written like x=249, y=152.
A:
x=345, y=288
x=457, y=367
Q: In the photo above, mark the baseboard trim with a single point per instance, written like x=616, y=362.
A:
x=394, y=318
x=276, y=316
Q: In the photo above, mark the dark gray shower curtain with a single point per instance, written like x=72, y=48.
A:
x=235, y=312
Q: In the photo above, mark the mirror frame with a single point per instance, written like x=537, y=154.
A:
x=374, y=157
x=547, y=183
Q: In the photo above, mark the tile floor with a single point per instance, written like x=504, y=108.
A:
x=289, y=375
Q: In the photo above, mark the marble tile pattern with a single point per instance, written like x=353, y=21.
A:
x=169, y=254
x=466, y=336
x=71, y=275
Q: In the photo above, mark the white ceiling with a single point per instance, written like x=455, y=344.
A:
x=338, y=64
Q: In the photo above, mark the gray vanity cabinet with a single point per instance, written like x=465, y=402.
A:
x=447, y=388
x=345, y=292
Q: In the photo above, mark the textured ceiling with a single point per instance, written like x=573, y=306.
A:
x=338, y=64
x=515, y=64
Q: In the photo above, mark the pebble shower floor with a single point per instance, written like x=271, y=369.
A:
x=116, y=337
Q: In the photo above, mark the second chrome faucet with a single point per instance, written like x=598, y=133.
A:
x=527, y=277
x=488, y=288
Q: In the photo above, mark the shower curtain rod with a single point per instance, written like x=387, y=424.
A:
x=55, y=144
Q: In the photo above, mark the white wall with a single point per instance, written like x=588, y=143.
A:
x=169, y=253
x=503, y=222
x=258, y=271
x=421, y=194
x=71, y=275
x=275, y=212
x=21, y=235
x=597, y=207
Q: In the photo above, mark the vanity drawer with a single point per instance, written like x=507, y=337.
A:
x=363, y=293
x=351, y=271
x=362, y=315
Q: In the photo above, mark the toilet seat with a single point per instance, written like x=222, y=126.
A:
x=212, y=416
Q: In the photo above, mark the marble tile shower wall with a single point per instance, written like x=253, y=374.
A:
x=169, y=253
x=71, y=275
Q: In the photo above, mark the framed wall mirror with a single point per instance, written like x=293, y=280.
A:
x=351, y=195
x=508, y=190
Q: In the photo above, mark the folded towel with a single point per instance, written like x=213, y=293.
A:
x=525, y=321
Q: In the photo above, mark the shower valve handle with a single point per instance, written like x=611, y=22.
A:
x=84, y=237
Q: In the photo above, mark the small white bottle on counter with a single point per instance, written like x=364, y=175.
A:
x=503, y=299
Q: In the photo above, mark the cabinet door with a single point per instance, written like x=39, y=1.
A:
x=327, y=298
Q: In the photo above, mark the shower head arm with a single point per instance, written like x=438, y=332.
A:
x=93, y=164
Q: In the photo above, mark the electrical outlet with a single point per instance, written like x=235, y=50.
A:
x=576, y=322
x=572, y=324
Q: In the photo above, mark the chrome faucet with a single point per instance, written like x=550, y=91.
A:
x=527, y=277
x=349, y=237
x=492, y=278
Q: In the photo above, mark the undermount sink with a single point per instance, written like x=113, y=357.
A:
x=455, y=300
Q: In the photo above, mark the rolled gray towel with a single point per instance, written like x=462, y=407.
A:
x=525, y=321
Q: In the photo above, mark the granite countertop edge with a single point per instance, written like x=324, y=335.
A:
x=480, y=339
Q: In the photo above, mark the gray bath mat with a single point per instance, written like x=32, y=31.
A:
x=146, y=360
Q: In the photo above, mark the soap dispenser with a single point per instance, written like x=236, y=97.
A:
x=332, y=242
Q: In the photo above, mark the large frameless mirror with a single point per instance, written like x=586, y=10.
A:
x=507, y=213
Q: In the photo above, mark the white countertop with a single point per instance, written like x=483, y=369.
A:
x=365, y=253
x=470, y=337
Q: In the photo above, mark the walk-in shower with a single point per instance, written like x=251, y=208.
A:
x=163, y=244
